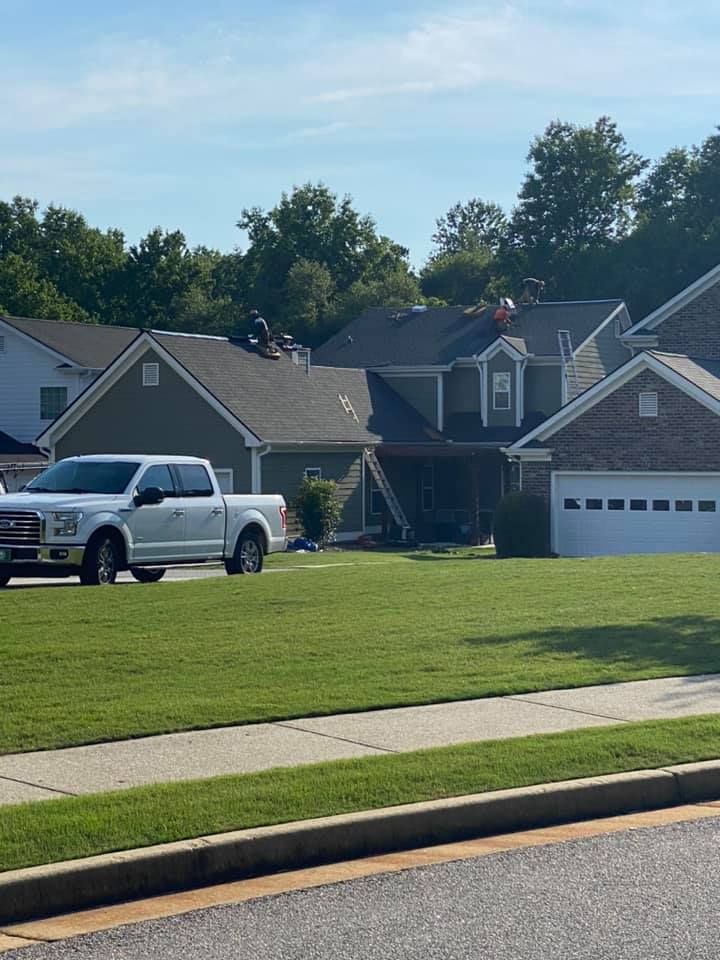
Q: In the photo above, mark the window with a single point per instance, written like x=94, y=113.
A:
x=616, y=504
x=648, y=404
x=501, y=390
x=661, y=505
x=428, y=487
x=85, y=476
x=683, y=506
x=224, y=477
x=151, y=374
x=313, y=473
x=158, y=475
x=706, y=506
x=638, y=504
x=194, y=480
x=572, y=503
x=593, y=504
x=53, y=401
x=377, y=500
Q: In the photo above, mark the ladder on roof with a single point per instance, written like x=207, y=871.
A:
x=387, y=491
x=347, y=406
x=568, y=361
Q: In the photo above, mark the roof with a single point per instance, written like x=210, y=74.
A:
x=705, y=374
x=671, y=306
x=91, y=345
x=280, y=402
x=13, y=451
x=468, y=428
x=438, y=336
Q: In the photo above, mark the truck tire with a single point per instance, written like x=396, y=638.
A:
x=4, y=581
x=248, y=556
x=100, y=563
x=147, y=574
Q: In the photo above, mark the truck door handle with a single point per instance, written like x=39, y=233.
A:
x=217, y=511
x=178, y=513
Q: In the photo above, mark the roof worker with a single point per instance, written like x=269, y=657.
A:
x=262, y=330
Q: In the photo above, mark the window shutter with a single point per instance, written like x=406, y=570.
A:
x=151, y=374
x=648, y=404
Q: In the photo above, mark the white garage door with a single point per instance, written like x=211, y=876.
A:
x=595, y=514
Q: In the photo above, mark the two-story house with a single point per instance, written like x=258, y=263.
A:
x=482, y=378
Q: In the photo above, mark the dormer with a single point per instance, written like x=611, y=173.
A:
x=501, y=368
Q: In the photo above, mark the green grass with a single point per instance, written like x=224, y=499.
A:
x=53, y=830
x=85, y=665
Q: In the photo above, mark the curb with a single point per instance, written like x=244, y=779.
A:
x=149, y=871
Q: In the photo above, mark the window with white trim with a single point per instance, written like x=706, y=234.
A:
x=313, y=473
x=224, y=478
x=648, y=404
x=151, y=374
x=377, y=500
x=428, y=487
x=502, y=384
x=53, y=401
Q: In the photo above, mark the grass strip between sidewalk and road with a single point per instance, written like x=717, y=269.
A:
x=54, y=830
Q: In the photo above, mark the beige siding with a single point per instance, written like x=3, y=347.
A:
x=543, y=388
x=283, y=473
x=420, y=392
x=462, y=391
x=600, y=357
x=168, y=419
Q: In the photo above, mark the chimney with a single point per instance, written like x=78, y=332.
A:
x=301, y=357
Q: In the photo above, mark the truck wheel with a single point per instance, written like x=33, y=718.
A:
x=4, y=581
x=145, y=575
x=100, y=563
x=248, y=556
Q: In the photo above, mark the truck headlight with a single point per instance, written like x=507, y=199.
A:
x=65, y=523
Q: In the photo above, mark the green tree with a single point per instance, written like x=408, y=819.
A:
x=396, y=289
x=308, y=295
x=458, y=277
x=24, y=292
x=468, y=227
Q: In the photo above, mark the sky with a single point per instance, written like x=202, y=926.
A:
x=180, y=114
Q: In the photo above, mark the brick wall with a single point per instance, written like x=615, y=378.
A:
x=694, y=329
x=685, y=436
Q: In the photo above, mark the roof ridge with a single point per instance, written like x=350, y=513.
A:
x=69, y=323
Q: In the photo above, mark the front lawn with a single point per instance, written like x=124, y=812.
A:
x=84, y=665
x=52, y=830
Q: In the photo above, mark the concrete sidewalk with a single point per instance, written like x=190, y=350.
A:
x=244, y=749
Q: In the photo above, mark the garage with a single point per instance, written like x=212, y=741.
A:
x=601, y=513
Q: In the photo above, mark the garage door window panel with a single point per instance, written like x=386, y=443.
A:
x=616, y=504
x=661, y=505
x=572, y=503
x=683, y=506
x=706, y=506
x=593, y=503
x=638, y=504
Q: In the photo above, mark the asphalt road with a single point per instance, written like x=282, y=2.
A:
x=646, y=894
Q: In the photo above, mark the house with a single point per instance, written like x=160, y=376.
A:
x=264, y=424
x=632, y=465
x=46, y=364
x=481, y=384
x=19, y=463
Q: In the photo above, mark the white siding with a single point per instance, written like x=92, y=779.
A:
x=24, y=368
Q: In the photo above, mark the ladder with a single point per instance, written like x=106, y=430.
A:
x=347, y=406
x=566, y=353
x=387, y=491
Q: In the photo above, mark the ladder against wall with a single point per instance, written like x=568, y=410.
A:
x=568, y=361
x=387, y=491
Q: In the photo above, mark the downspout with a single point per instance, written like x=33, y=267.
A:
x=257, y=453
x=482, y=374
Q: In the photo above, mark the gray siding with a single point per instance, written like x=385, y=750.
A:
x=283, y=473
x=168, y=419
x=543, y=388
x=600, y=357
x=420, y=393
x=501, y=418
x=462, y=391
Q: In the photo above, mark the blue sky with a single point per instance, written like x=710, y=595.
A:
x=182, y=113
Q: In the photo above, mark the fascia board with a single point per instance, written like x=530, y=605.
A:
x=618, y=310
x=500, y=345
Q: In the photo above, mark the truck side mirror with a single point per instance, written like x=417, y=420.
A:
x=148, y=496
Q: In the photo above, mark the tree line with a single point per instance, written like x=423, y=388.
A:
x=593, y=219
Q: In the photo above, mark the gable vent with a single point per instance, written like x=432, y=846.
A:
x=648, y=404
x=151, y=374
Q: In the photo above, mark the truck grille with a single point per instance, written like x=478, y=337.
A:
x=19, y=527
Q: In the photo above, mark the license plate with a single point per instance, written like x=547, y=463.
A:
x=5, y=556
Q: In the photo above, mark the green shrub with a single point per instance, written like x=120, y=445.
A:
x=318, y=509
x=521, y=526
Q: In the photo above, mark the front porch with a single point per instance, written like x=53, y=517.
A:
x=447, y=495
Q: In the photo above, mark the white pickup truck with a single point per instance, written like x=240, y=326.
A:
x=94, y=516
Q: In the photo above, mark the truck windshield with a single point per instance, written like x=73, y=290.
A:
x=85, y=476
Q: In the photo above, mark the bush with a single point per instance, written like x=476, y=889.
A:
x=521, y=526
x=318, y=509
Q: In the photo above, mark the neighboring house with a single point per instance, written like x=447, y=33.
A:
x=264, y=424
x=46, y=364
x=633, y=464
x=19, y=463
x=480, y=388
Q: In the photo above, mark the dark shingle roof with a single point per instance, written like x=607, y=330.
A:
x=703, y=373
x=468, y=428
x=279, y=402
x=13, y=451
x=89, y=345
x=440, y=335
